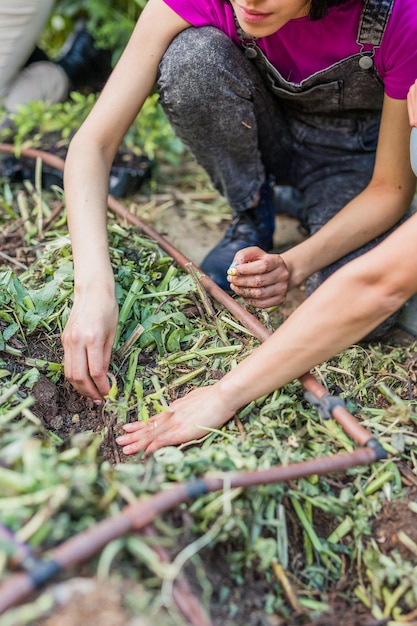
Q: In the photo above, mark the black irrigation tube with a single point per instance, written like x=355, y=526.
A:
x=141, y=513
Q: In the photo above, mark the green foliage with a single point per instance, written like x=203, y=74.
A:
x=109, y=21
x=50, y=126
x=39, y=124
x=152, y=132
x=264, y=529
x=28, y=309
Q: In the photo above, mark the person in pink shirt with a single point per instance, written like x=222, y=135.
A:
x=307, y=93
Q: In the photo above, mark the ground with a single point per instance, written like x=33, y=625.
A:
x=79, y=600
x=194, y=230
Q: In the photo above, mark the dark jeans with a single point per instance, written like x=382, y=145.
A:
x=239, y=131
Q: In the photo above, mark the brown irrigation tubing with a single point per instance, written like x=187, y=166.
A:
x=139, y=514
x=351, y=426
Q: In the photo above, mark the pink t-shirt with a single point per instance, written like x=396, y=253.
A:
x=302, y=47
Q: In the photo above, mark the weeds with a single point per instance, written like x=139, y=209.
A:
x=52, y=489
x=303, y=541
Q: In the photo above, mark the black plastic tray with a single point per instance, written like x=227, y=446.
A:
x=125, y=179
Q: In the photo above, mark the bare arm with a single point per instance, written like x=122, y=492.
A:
x=346, y=307
x=382, y=203
x=89, y=334
x=352, y=302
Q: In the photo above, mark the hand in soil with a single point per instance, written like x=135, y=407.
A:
x=258, y=277
x=188, y=419
x=88, y=340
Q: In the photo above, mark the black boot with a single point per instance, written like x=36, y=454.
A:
x=253, y=227
x=84, y=64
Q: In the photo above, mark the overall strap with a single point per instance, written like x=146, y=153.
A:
x=375, y=16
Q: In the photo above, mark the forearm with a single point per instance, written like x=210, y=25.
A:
x=374, y=211
x=86, y=183
x=367, y=216
x=343, y=310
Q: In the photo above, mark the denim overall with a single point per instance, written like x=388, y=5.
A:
x=242, y=120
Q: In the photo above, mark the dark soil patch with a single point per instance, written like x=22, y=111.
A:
x=128, y=173
x=394, y=519
x=13, y=249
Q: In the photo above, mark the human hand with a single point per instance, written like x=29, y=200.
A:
x=186, y=419
x=88, y=340
x=412, y=104
x=258, y=277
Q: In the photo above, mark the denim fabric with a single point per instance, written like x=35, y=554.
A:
x=243, y=121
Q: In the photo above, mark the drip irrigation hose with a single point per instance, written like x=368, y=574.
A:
x=141, y=513
x=25, y=558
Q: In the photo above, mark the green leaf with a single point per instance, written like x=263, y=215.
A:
x=44, y=298
x=10, y=331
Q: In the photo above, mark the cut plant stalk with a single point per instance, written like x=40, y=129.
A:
x=126, y=308
x=330, y=559
x=174, y=359
x=123, y=350
x=360, y=435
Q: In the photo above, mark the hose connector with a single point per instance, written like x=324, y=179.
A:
x=325, y=405
x=380, y=452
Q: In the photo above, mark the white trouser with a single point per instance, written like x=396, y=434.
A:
x=21, y=23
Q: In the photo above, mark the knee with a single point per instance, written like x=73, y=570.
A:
x=192, y=64
x=194, y=50
x=43, y=80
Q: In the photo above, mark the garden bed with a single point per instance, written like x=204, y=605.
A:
x=311, y=551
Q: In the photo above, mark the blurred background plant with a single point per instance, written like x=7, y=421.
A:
x=51, y=126
x=109, y=21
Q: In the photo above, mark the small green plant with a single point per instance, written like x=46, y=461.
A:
x=47, y=126
x=110, y=22
x=35, y=121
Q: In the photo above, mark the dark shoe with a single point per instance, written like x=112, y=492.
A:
x=253, y=227
x=84, y=64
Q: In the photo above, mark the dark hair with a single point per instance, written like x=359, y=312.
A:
x=319, y=8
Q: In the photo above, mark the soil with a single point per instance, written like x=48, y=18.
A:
x=80, y=601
